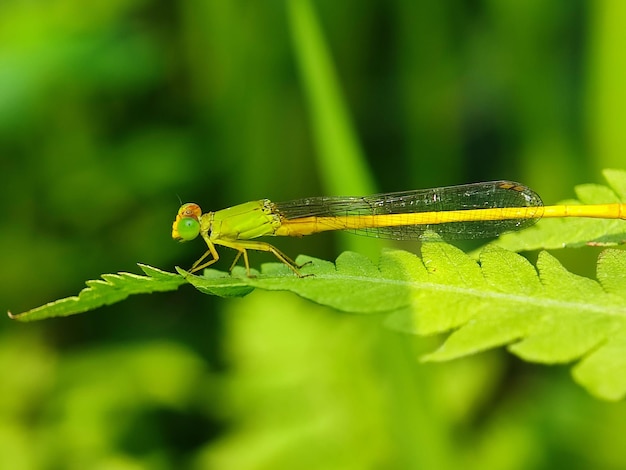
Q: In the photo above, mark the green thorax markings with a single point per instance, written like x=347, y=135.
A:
x=242, y=222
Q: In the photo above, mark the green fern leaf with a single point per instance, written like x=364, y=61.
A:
x=219, y=283
x=551, y=234
x=544, y=314
x=111, y=289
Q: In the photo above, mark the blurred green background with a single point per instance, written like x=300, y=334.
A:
x=110, y=111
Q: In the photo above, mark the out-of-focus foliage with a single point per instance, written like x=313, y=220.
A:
x=110, y=110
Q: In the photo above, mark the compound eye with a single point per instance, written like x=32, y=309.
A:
x=188, y=228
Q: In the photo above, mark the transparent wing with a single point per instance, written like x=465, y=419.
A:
x=489, y=195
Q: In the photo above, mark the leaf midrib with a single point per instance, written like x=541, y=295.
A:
x=618, y=309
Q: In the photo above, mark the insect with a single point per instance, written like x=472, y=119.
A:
x=469, y=211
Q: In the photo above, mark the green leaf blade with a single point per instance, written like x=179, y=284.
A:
x=110, y=289
x=603, y=371
x=355, y=285
x=552, y=234
x=218, y=283
x=611, y=262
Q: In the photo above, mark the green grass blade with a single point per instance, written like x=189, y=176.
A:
x=342, y=166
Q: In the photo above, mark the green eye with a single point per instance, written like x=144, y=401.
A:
x=188, y=228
